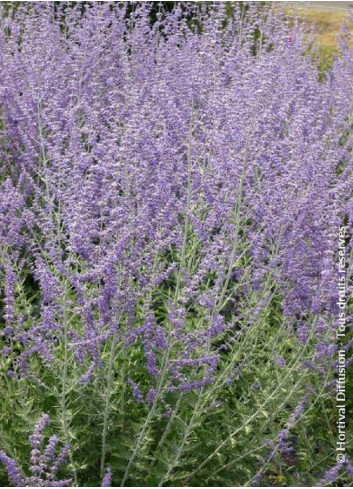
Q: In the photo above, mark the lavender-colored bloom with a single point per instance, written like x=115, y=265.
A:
x=36, y=439
x=12, y=470
x=44, y=462
x=6, y=351
x=280, y=361
x=107, y=479
x=60, y=459
x=135, y=390
x=49, y=452
x=331, y=475
x=151, y=394
x=118, y=223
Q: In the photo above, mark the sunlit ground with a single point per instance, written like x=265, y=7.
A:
x=327, y=26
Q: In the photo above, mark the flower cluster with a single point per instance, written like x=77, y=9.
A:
x=45, y=462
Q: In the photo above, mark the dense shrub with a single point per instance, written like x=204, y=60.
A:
x=171, y=198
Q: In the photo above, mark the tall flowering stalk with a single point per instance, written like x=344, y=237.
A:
x=172, y=182
x=45, y=463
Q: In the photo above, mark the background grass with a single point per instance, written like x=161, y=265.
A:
x=327, y=27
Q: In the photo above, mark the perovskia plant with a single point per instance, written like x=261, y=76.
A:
x=172, y=185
